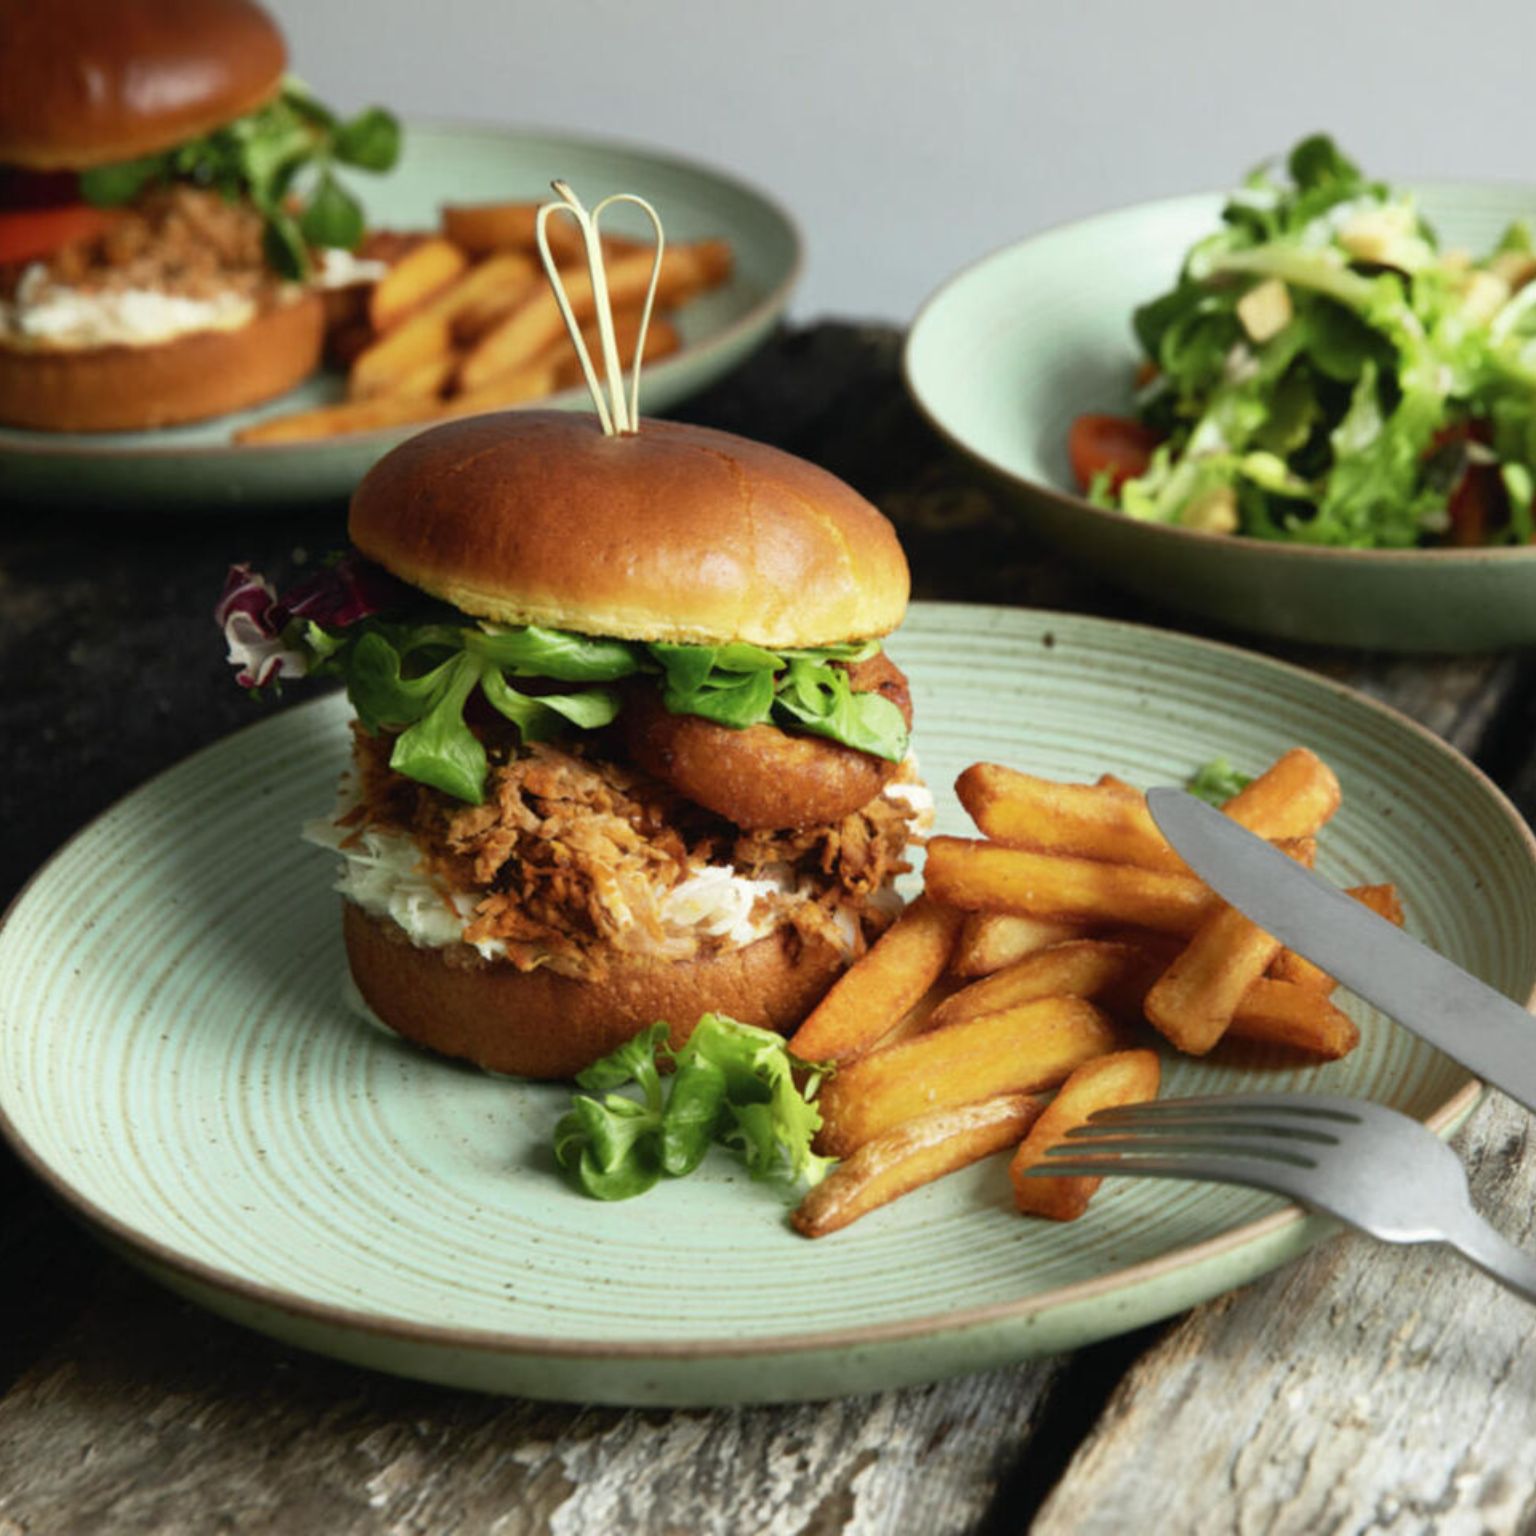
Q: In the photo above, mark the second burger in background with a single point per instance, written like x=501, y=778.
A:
x=627, y=748
x=168, y=205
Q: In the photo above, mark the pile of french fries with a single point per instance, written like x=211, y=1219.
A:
x=465, y=320
x=1034, y=960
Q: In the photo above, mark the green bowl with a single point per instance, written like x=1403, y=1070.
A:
x=1009, y=351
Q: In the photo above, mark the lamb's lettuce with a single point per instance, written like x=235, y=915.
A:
x=282, y=158
x=413, y=668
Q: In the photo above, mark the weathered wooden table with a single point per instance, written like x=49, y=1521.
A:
x=1362, y=1389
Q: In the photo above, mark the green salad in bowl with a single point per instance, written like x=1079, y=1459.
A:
x=1325, y=371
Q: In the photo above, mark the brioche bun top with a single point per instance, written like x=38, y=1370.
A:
x=92, y=82
x=675, y=533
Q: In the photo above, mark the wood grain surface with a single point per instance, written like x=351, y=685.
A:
x=1361, y=1389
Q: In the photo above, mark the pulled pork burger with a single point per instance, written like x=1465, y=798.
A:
x=627, y=747
x=169, y=212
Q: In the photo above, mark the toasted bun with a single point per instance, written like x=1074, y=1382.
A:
x=201, y=374
x=91, y=82
x=539, y=1024
x=674, y=533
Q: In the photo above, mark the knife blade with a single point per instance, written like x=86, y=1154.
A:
x=1441, y=1003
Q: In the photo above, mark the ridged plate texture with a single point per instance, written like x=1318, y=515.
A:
x=176, y=1058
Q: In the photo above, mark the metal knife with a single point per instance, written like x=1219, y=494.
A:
x=1423, y=991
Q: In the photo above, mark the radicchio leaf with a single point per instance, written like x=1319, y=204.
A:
x=343, y=593
x=246, y=613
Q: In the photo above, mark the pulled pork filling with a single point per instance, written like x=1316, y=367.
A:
x=179, y=240
x=181, y=259
x=573, y=856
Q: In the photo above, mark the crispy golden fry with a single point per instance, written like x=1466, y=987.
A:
x=1383, y=900
x=1089, y=821
x=1115, y=974
x=990, y=940
x=911, y=1155
x=915, y=1020
x=1020, y=1050
x=1119, y=786
x=416, y=277
x=1193, y=1001
x=399, y=410
x=536, y=323
x=1292, y=798
x=334, y=420
x=516, y=386
x=1126, y=1077
x=428, y=333
x=1296, y=1016
x=980, y=876
x=484, y=228
x=881, y=985
x=661, y=340
x=426, y=381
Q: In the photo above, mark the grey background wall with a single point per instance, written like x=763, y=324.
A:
x=912, y=135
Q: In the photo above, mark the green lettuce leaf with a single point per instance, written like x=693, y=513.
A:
x=1217, y=781
x=264, y=156
x=733, y=1084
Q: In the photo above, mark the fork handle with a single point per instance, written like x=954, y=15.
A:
x=1496, y=1256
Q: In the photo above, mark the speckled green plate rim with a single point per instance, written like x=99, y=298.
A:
x=721, y=340
x=1272, y=1229
x=1108, y=517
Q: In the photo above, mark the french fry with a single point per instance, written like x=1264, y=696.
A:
x=990, y=940
x=881, y=985
x=1126, y=1077
x=410, y=282
x=334, y=420
x=1294, y=797
x=484, y=228
x=1020, y=1050
x=1119, y=786
x=1193, y=1001
x=1102, y=970
x=915, y=1020
x=427, y=380
x=1293, y=1015
x=1090, y=821
x=911, y=1155
x=1383, y=900
x=381, y=411
x=428, y=333
x=661, y=339
x=517, y=386
x=980, y=876
x=537, y=322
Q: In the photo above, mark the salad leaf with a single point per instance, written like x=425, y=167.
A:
x=733, y=1084
x=743, y=685
x=1217, y=781
x=1322, y=415
x=413, y=667
x=264, y=156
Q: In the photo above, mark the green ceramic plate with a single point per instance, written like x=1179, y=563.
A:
x=177, y=1063
x=1007, y=353
x=199, y=467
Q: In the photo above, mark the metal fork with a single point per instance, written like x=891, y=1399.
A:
x=1368, y=1165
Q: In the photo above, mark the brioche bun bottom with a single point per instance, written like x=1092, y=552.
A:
x=189, y=378
x=543, y=1025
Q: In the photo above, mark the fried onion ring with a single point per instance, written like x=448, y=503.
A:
x=762, y=778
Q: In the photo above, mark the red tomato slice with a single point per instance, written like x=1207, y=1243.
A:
x=1476, y=506
x=29, y=233
x=1117, y=444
